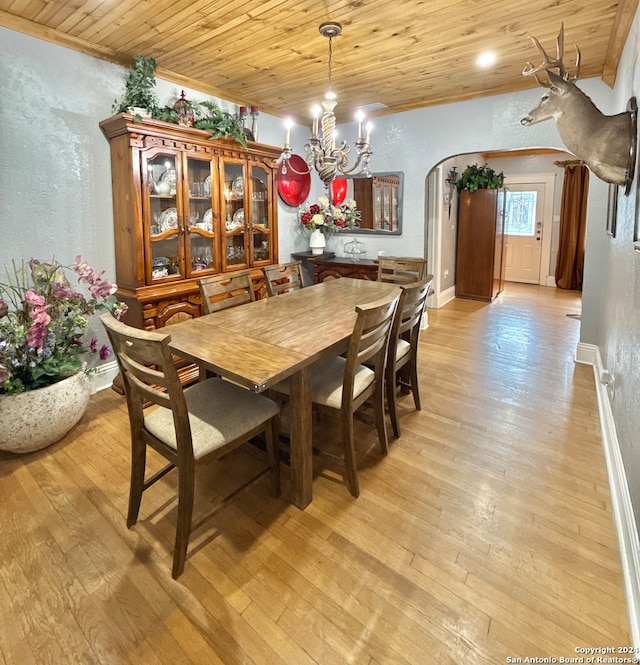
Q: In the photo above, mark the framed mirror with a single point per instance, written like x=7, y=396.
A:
x=379, y=199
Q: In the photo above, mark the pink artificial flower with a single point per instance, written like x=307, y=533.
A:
x=84, y=271
x=101, y=288
x=66, y=293
x=40, y=317
x=120, y=309
x=36, y=336
x=105, y=352
x=34, y=299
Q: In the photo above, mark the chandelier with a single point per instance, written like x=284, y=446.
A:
x=321, y=150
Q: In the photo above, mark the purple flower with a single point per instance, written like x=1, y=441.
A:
x=105, y=352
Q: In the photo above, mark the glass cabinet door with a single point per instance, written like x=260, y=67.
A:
x=201, y=255
x=259, y=221
x=162, y=216
x=235, y=244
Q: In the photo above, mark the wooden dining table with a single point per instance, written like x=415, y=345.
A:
x=263, y=342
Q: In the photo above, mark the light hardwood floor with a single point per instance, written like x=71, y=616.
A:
x=486, y=534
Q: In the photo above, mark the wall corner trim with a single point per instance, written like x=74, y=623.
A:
x=624, y=519
x=103, y=376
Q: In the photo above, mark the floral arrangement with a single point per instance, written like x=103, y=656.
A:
x=43, y=321
x=329, y=218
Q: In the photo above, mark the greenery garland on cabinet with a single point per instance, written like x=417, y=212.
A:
x=139, y=94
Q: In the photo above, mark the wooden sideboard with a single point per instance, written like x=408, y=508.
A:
x=329, y=266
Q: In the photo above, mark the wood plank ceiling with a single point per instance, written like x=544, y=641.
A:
x=405, y=54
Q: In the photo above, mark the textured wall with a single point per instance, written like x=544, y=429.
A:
x=619, y=273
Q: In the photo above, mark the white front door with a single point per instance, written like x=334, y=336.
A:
x=528, y=223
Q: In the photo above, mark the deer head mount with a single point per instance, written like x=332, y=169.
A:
x=605, y=143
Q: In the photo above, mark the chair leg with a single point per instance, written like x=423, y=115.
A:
x=392, y=400
x=136, y=487
x=350, y=455
x=186, y=488
x=415, y=388
x=381, y=423
x=272, y=437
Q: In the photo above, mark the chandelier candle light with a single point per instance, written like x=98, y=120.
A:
x=321, y=150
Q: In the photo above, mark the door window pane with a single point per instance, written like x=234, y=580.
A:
x=520, y=213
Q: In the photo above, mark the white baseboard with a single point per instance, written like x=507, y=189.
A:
x=623, y=515
x=588, y=354
x=438, y=300
x=104, y=376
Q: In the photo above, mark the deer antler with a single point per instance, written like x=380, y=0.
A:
x=549, y=63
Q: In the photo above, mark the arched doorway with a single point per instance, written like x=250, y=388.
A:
x=441, y=210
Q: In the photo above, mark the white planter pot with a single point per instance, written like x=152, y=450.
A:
x=35, y=419
x=317, y=242
x=139, y=110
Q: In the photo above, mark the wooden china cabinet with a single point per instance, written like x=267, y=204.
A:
x=185, y=206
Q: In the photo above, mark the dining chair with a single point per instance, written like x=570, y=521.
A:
x=187, y=427
x=402, y=356
x=219, y=292
x=283, y=277
x=401, y=270
x=343, y=384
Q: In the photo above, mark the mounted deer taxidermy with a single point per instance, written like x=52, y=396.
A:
x=605, y=143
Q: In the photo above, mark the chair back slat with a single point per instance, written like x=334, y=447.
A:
x=283, y=277
x=401, y=270
x=220, y=292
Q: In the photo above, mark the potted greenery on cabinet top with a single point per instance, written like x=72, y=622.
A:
x=140, y=99
x=138, y=92
x=476, y=177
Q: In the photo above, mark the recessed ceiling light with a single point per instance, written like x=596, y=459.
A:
x=375, y=106
x=486, y=59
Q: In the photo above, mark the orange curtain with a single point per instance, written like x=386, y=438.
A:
x=573, y=226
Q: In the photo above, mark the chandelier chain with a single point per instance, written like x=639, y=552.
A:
x=330, y=63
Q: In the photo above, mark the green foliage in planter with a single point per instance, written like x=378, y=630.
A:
x=476, y=177
x=139, y=87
